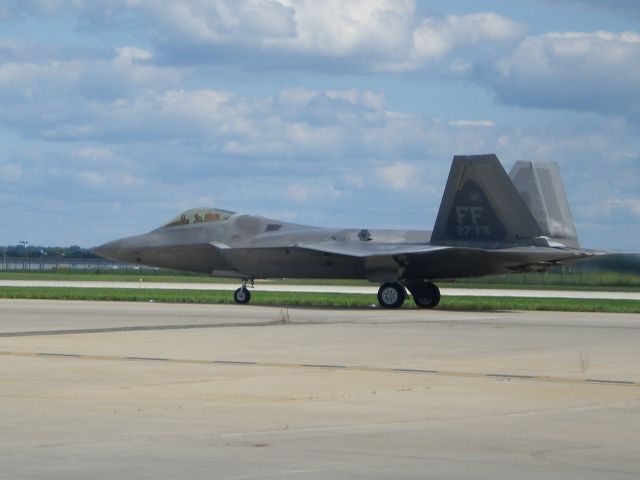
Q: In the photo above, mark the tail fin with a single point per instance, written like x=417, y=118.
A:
x=481, y=205
x=540, y=186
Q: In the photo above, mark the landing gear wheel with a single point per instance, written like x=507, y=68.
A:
x=425, y=294
x=242, y=295
x=391, y=295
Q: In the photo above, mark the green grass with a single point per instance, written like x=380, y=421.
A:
x=531, y=281
x=617, y=272
x=339, y=300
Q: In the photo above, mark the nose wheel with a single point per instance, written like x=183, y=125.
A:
x=242, y=295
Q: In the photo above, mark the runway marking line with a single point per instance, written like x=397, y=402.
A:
x=141, y=328
x=352, y=368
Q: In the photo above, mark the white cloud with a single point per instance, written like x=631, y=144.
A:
x=623, y=7
x=26, y=76
x=289, y=123
x=435, y=38
x=472, y=123
x=10, y=172
x=305, y=193
x=625, y=207
x=399, y=175
x=91, y=179
x=93, y=153
x=295, y=97
x=337, y=28
x=219, y=21
x=597, y=71
x=130, y=55
x=358, y=35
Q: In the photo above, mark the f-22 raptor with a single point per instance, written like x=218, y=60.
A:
x=488, y=223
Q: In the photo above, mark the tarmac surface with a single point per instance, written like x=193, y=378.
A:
x=152, y=391
x=370, y=290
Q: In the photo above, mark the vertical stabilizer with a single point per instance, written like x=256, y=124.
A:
x=541, y=188
x=481, y=205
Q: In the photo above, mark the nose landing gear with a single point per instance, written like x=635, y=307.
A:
x=242, y=295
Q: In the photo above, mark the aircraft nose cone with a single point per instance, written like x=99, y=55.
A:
x=108, y=250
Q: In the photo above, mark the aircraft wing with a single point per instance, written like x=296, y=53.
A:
x=438, y=261
x=367, y=249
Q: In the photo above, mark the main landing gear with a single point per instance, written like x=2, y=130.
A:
x=393, y=295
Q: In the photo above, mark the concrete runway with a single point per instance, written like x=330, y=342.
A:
x=370, y=290
x=152, y=391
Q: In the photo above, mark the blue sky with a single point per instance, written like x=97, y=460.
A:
x=117, y=115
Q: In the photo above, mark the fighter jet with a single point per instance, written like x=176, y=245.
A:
x=488, y=223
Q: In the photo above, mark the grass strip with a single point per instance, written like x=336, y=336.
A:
x=340, y=300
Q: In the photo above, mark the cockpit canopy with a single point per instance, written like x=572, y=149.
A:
x=199, y=215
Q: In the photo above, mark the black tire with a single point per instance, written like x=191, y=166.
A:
x=242, y=296
x=425, y=294
x=391, y=295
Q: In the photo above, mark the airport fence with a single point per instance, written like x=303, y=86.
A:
x=71, y=265
x=561, y=278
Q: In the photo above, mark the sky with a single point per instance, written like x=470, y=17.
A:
x=117, y=115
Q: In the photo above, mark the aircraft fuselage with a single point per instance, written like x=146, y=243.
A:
x=249, y=247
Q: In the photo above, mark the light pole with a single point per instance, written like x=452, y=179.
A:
x=25, y=243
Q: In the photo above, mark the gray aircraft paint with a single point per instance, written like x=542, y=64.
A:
x=481, y=206
x=484, y=226
x=541, y=189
